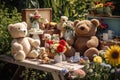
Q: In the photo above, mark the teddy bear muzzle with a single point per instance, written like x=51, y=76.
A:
x=82, y=28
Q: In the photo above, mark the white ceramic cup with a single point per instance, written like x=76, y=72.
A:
x=110, y=34
x=105, y=36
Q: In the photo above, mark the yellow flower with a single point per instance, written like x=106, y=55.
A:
x=97, y=59
x=113, y=55
x=99, y=5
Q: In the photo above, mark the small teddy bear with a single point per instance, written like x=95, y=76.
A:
x=61, y=25
x=69, y=32
x=22, y=46
x=44, y=56
x=48, y=40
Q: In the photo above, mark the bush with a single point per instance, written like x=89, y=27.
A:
x=73, y=9
x=7, y=17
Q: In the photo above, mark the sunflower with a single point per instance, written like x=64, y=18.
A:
x=112, y=55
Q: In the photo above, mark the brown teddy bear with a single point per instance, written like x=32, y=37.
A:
x=85, y=40
x=22, y=46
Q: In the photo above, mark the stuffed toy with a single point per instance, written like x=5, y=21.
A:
x=50, y=25
x=69, y=32
x=44, y=56
x=61, y=25
x=85, y=40
x=42, y=23
x=21, y=45
x=48, y=40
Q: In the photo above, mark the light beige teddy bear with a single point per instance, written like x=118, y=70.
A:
x=22, y=46
x=61, y=25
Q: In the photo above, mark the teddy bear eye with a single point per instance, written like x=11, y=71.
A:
x=18, y=28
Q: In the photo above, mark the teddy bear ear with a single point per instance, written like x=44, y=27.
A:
x=76, y=22
x=95, y=22
x=10, y=27
x=25, y=23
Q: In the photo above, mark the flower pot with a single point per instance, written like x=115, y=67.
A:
x=58, y=58
x=107, y=11
x=99, y=11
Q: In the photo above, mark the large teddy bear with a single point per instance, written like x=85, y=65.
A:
x=85, y=40
x=22, y=46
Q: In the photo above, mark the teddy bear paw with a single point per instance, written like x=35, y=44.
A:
x=33, y=54
x=19, y=55
x=90, y=52
x=36, y=43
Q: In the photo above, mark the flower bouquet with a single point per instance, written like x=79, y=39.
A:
x=57, y=48
x=103, y=7
x=105, y=66
x=35, y=19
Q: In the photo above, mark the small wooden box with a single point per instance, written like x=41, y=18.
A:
x=44, y=12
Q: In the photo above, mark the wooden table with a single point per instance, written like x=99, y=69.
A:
x=55, y=68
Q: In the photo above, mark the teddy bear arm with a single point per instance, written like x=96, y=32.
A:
x=70, y=41
x=93, y=42
x=34, y=43
x=16, y=46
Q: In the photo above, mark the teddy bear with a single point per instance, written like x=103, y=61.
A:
x=44, y=56
x=68, y=36
x=47, y=40
x=69, y=32
x=21, y=45
x=61, y=25
x=85, y=40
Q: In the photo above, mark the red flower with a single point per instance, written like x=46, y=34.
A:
x=108, y=4
x=36, y=16
x=60, y=48
x=104, y=26
x=96, y=3
x=50, y=42
x=62, y=42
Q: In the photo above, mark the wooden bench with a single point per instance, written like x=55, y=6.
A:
x=55, y=69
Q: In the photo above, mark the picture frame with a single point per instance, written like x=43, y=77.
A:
x=44, y=12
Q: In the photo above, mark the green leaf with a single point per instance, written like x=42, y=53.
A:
x=66, y=12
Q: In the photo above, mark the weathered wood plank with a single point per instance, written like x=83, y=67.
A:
x=31, y=63
x=55, y=68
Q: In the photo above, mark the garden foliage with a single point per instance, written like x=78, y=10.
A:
x=7, y=17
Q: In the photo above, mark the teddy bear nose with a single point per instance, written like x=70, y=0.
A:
x=63, y=20
x=24, y=31
x=82, y=28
